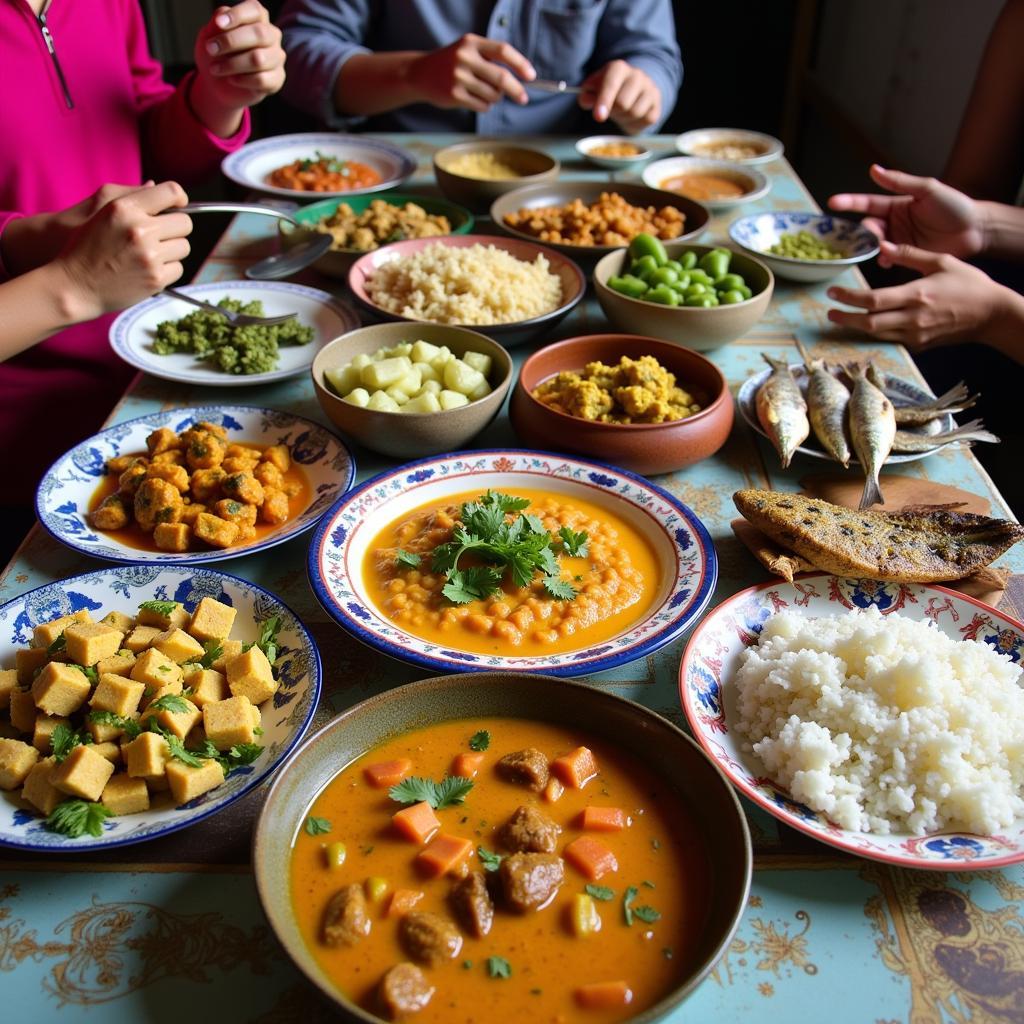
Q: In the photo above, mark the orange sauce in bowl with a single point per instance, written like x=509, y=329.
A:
x=704, y=187
x=324, y=174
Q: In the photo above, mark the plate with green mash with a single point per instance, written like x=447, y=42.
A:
x=168, y=338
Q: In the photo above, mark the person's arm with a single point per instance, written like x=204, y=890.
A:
x=1003, y=226
x=987, y=159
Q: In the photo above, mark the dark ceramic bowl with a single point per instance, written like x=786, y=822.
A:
x=721, y=828
x=562, y=192
x=646, y=448
x=531, y=166
x=518, y=332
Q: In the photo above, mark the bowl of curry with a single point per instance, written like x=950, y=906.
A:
x=719, y=184
x=494, y=846
x=516, y=560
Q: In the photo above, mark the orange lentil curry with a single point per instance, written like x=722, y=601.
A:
x=324, y=174
x=593, y=589
x=547, y=878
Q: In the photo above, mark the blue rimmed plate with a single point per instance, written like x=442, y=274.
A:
x=133, y=333
x=252, y=165
x=123, y=588
x=712, y=658
x=68, y=486
x=681, y=545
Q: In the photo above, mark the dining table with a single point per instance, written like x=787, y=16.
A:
x=172, y=929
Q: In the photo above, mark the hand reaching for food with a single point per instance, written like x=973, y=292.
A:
x=624, y=94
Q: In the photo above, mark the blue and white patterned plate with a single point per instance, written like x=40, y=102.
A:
x=133, y=333
x=67, y=487
x=681, y=545
x=760, y=231
x=712, y=659
x=253, y=164
x=123, y=588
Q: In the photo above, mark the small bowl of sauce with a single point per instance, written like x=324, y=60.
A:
x=716, y=183
x=615, y=152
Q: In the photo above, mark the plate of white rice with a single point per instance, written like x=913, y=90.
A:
x=505, y=288
x=885, y=719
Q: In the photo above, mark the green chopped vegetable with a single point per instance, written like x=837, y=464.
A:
x=599, y=892
x=74, y=818
x=480, y=740
x=802, y=245
x=498, y=967
x=64, y=739
x=130, y=727
x=58, y=644
x=415, y=789
x=317, y=826
x=160, y=607
x=489, y=861
x=406, y=559
x=172, y=702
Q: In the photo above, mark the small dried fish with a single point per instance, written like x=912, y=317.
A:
x=955, y=400
x=906, y=441
x=782, y=410
x=872, y=430
x=827, y=400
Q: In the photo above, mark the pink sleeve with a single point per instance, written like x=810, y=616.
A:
x=6, y=216
x=175, y=143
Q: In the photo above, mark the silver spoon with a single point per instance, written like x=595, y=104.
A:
x=237, y=319
x=284, y=264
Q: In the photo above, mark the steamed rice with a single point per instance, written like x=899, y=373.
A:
x=476, y=284
x=885, y=724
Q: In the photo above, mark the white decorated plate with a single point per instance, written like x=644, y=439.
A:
x=692, y=143
x=712, y=658
x=133, y=333
x=680, y=541
x=123, y=588
x=900, y=392
x=67, y=487
x=252, y=165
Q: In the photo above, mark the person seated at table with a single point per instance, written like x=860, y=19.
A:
x=933, y=229
x=432, y=66
x=130, y=248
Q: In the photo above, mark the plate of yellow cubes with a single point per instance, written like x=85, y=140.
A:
x=141, y=699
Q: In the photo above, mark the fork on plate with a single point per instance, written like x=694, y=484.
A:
x=238, y=319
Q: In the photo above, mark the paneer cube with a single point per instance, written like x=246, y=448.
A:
x=155, y=669
x=212, y=620
x=26, y=661
x=207, y=685
x=146, y=756
x=187, y=783
x=228, y=722
x=177, y=722
x=38, y=790
x=89, y=642
x=140, y=638
x=213, y=530
x=60, y=689
x=8, y=684
x=110, y=750
x=251, y=675
x=124, y=795
x=119, y=665
x=16, y=761
x=46, y=632
x=103, y=732
x=175, y=618
x=172, y=536
x=117, y=694
x=83, y=773
x=23, y=711
x=179, y=646
x=231, y=648
x=42, y=735
x=118, y=620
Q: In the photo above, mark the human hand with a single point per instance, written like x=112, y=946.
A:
x=928, y=214
x=952, y=302
x=128, y=250
x=239, y=61
x=473, y=72
x=624, y=94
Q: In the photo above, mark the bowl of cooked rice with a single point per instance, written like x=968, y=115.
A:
x=476, y=173
x=510, y=290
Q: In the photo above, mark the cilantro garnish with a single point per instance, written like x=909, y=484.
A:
x=647, y=914
x=87, y=670
x=559, y=589
x=643, y=913
x=160, y=607
x=214, y=649
x=317, y=826
x=599, y=892
x=172, y=702
x=267, y=641
x=58, y=644
x=130, y=727
x=448, y=791
x=498, y=967
x=407, y=559
x=64, y=739
x=489, y=861
x=574, y=544
x=480, y=740
x=73, y=818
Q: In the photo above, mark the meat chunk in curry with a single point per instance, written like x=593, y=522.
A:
x=529, y=767
x=529, y=831
x=473, y=905
x=429, y=938
x=346, y=919
x=529, y=880
x=404, y=990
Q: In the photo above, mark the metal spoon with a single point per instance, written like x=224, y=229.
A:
x=283, y=264
x=237, y=319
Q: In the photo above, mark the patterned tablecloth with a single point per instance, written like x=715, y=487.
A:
x=172, y=929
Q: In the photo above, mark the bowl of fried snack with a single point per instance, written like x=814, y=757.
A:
x=641, y=403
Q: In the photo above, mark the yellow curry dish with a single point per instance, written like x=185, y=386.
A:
x=500, y=869
x=514, y=575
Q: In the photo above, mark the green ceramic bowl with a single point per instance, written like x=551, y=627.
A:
x=666, y=750
x=335, y=263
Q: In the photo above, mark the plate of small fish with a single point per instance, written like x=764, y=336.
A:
x=853, y=415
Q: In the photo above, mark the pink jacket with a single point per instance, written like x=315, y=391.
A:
x=112, y=119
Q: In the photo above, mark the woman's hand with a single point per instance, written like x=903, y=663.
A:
x=623, y=94
x=928, y=214
x=239, y=61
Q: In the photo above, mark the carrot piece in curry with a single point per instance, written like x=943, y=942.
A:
x=603, y=819
x=387, y=773
x=402, y=901
x=576, y=768
x=443, y=855
x=591, y=857
x=604, y=995
x=417, y=822
x=553, y=790
x=467, y=765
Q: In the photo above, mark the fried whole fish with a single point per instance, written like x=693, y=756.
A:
x=917, y=545
x=906, y=441
x=827, y=401
x=872, y=431
x=955, y=400
x=781, y=410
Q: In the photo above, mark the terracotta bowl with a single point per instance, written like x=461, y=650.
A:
x=574, y=284
x=721, y=828
x=477, y=194
x=647, y=448
x=411, y=435
x=691, y=326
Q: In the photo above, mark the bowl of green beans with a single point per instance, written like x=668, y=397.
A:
x=697, y=296
x=803, y=246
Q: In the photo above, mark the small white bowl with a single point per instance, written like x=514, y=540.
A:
x=585, y=148
x=694, y=143
x=753, y=182
x=760, y=231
